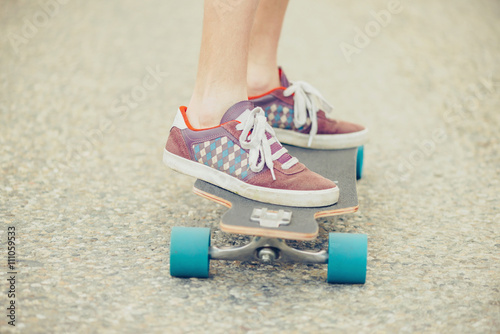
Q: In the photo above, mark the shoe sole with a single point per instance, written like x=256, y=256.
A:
x=322, y=142
x=298, y=198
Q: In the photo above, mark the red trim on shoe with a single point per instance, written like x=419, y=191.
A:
x=267, y=93
x=183, y=110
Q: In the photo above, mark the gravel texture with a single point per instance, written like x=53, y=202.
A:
x=83, y=124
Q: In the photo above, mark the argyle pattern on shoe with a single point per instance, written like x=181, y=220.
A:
x=223, y=154
x=279, y=116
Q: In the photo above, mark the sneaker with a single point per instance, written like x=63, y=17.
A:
x=294, y=111
x=243, y=155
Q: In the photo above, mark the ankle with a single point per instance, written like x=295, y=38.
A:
x=206, y=112
x=262, y=79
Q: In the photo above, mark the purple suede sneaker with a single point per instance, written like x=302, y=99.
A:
x=242, y=155
x=293, y=110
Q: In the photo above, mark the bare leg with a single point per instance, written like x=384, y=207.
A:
x=222, y=67
x=263, y=52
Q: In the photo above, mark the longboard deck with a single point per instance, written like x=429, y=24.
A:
x=246, y=216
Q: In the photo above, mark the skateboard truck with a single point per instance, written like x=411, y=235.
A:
x=191, y=252
x=268, y=218
x=267, y=250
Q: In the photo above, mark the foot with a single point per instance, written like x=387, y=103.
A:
x=294, y=111
x=243, y=155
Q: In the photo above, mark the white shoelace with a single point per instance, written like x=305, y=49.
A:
x=307, y=102
x=257, y=143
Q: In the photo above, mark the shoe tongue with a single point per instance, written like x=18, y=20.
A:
x=283, y=79
x=236, y=110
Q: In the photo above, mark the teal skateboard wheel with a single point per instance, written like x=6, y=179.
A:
x=359, y=162
x=347, y=254
x=189, y=252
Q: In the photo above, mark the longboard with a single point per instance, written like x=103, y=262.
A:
x=246, y=216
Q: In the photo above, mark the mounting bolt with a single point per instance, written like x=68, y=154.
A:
x=266, y=255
